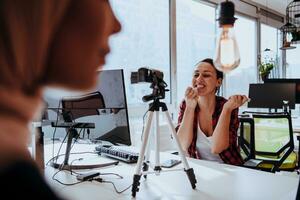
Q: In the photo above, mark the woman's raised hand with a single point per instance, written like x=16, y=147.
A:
x=235, y=101
x=191, y=97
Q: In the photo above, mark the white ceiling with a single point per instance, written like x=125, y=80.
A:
x=278, y=5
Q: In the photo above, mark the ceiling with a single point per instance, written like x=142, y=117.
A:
x=278, y=5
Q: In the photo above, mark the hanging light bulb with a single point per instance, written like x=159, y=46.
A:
x=289, y=36
x=227, y=56
x=286, y=31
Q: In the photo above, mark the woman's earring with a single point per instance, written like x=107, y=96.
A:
x=217, y=90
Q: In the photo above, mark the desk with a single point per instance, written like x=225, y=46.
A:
x=214, y=181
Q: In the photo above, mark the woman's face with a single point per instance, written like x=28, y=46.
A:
x=81, y=44
x=205, y=79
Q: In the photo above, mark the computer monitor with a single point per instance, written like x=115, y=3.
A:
x=111, y=120
x=289, y=80
x=272, y=95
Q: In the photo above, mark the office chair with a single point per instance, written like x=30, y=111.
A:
x=86, y=105
x=266, y=141
x=73, y=108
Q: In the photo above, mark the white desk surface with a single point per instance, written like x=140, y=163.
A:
x=214, y=181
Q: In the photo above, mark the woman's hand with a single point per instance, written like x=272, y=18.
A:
x=235, y=101
x=191, y=97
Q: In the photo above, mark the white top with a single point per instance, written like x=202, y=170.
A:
x=203, y=146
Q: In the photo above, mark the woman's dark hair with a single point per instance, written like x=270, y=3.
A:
x=211, y=62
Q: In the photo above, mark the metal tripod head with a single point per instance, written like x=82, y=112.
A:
x=156, y=104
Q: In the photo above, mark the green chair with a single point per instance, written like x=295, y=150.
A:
x=266, y=141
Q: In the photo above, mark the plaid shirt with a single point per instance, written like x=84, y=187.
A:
x=230, y=155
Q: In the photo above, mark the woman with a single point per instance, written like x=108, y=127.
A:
x=42, y=43
x=207, y=124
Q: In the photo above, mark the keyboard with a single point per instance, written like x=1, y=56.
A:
x=117, y=152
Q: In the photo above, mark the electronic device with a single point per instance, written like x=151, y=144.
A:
x=110, y=114
x=87, y=176
x=272, y=95
x=99, y=114
x=117, y=152
x=288, y=80
x=170, y=163
x=153, y=76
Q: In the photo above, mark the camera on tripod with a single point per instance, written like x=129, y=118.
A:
x=158, y=85
x=153, y=76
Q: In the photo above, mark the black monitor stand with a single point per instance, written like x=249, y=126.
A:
x=72, y=133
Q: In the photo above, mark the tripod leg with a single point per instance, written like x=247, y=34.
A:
x=146, y=163
x=189, y=171
x=138, y=173
x=157, y=167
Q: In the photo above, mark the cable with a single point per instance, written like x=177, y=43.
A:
x=54, y=132
x=77, y=138
x=92, y=179
x=66, y=184
x=69, y=132
x=56, y=157
x=100, y=180
x=63, y=142
x=63, y=164
x=72, y=164
x=121, y=177
x=119, y=192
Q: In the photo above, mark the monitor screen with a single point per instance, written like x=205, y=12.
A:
x=272, y=95
x=289, y=80
x=110, y=114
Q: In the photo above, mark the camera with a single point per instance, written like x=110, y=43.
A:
x=153, y=76
x=146, y=75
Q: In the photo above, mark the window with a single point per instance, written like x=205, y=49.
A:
x=293, y=62
x=292, y=71
x=195, y=39
x=270, y=38
x=237, y=81
x=143, y=42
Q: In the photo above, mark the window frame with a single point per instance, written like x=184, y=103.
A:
x=248, y=10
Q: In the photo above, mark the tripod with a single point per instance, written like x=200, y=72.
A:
x=154, y=107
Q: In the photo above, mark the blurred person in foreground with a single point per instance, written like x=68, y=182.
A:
x=60, y=43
